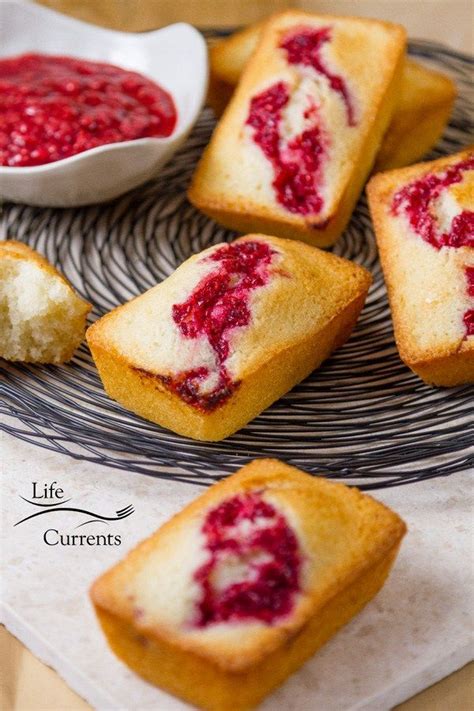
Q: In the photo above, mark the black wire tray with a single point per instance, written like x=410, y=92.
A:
x=363, y=416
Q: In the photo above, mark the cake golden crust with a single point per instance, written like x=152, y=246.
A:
x=219, y=93
x=229, y=56
x=421, y=112
x=232, y=183
x=445, y=357
x=314, y=301
x=19, y=250
x=349, y=543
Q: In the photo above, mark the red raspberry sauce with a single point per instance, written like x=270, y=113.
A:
x=55, y=107
x=218, y=305
x=248, y=529
x=303, y=47
x=297, y=164
x=415, y=201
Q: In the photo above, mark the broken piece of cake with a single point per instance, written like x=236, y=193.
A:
x=42, y=319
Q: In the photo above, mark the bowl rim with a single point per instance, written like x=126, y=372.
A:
x=177, y=133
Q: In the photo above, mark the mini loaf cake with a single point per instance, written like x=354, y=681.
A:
x=424, y=224
x=228, y=57
x=42, y=320
x=291, y=154
x=228, y=333
x=422, y=110
x=239, y=589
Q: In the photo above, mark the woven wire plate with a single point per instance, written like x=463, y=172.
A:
x=362, y=416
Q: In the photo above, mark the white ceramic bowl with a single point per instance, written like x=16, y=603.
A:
x=175, y=57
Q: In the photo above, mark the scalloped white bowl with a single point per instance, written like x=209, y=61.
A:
x=175, y=57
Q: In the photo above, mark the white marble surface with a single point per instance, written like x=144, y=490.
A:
x=416, y=631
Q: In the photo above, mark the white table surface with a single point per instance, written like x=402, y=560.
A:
x=416, y=631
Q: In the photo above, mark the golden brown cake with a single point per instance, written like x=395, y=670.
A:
x=219, y=93
x=300, y=135
x=228, y=57
x=228, y=333
x=424, y=224
x=238, y=590
x=421, y=113
x=42, y=320
x=423, y=109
